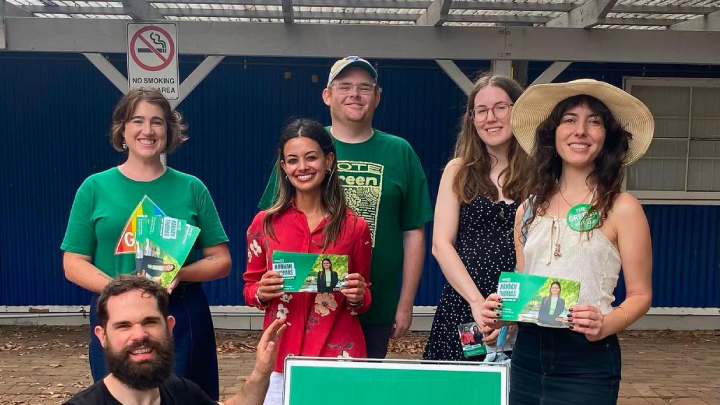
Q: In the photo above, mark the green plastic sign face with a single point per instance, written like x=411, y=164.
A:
x=311, y=381
x=579, y=218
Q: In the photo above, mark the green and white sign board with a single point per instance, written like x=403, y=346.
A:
x=312, y=381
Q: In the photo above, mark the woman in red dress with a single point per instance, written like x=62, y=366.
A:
x=309, y=216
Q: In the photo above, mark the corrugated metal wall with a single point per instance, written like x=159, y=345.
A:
x=685, y=255
x=54, y=118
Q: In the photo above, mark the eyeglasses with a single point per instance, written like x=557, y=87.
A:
x=362, y=88
x=480, y=114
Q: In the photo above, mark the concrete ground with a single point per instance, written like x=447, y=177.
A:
x=47, y=365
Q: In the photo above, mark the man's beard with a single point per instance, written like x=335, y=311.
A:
x=147, y=374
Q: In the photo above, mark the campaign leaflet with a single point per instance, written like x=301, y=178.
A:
x=471, y=339
x=162, y=245
x=310, y=272
x=536, y=299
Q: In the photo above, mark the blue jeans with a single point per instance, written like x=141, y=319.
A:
x=194, y=337
x=558, y=367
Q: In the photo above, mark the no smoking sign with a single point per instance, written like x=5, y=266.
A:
x=152, y=57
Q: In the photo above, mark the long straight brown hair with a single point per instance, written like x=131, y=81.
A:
x=473, y=177
x=332, y=194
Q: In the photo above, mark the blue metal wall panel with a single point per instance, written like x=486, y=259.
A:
x=55, y=115
x=686, y=256
x=54, y=119
x=685, y=247
x=239, y=138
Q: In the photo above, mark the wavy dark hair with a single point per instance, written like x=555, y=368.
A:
x=473, y=177
x=333, y=197
x=606, y=177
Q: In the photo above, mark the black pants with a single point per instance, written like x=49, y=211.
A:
x=559, y=367
x=377, y=338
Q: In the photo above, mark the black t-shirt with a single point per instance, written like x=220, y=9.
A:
x=174, y=391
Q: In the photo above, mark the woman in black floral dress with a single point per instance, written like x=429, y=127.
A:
x=479, y=193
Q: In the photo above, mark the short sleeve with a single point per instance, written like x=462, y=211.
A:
x=80, y=235
x=256, y=260
x=416, y=208
x=211, y=229
x=268, y=197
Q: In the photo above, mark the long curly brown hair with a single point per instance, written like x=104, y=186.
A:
x=473, y=177
x=607, y=175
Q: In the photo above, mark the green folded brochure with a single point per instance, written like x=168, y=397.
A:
x=162, y=245
x=536, y=299
x=310, y=272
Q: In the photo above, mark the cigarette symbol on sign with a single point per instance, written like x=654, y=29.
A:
x=160, y=45
x=151, y=48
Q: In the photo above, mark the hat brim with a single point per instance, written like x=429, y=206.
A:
x=537, y=102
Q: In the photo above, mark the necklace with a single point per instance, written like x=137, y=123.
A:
x=568, y=202
x=581, y=217
x=556, y=246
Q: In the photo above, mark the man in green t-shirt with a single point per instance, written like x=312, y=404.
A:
x=384, y=183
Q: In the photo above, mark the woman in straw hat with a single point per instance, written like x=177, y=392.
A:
x=479, y=193
x=578, y=224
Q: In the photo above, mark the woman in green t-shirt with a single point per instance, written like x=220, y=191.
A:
x=99, y=243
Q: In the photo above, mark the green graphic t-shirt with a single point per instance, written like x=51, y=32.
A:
x=105, y=201
x=385, y=184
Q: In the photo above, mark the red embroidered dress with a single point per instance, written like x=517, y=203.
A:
x=319, y=324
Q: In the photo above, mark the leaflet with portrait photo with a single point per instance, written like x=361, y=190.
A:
x=471, y=339
x=310, y=272
x=536, y=299
x=162, y=245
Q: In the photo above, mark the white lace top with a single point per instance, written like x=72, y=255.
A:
x=587, y=257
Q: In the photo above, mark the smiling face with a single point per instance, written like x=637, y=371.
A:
x=145, y=133
x=352, y=96
x=137, y=340
x=491, y=116
x=326, y=264
x=580, y=136
x=305, y=164
x=555, y=289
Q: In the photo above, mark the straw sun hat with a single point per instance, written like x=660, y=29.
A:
x=537, y=102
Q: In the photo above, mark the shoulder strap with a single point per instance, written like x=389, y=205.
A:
x=527, y=206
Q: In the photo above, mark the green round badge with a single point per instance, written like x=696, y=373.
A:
x=579, y=218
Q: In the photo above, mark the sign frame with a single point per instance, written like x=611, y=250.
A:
x=163, y=75
x=300, y=362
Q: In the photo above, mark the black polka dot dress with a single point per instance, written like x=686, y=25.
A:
x=485, y=245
